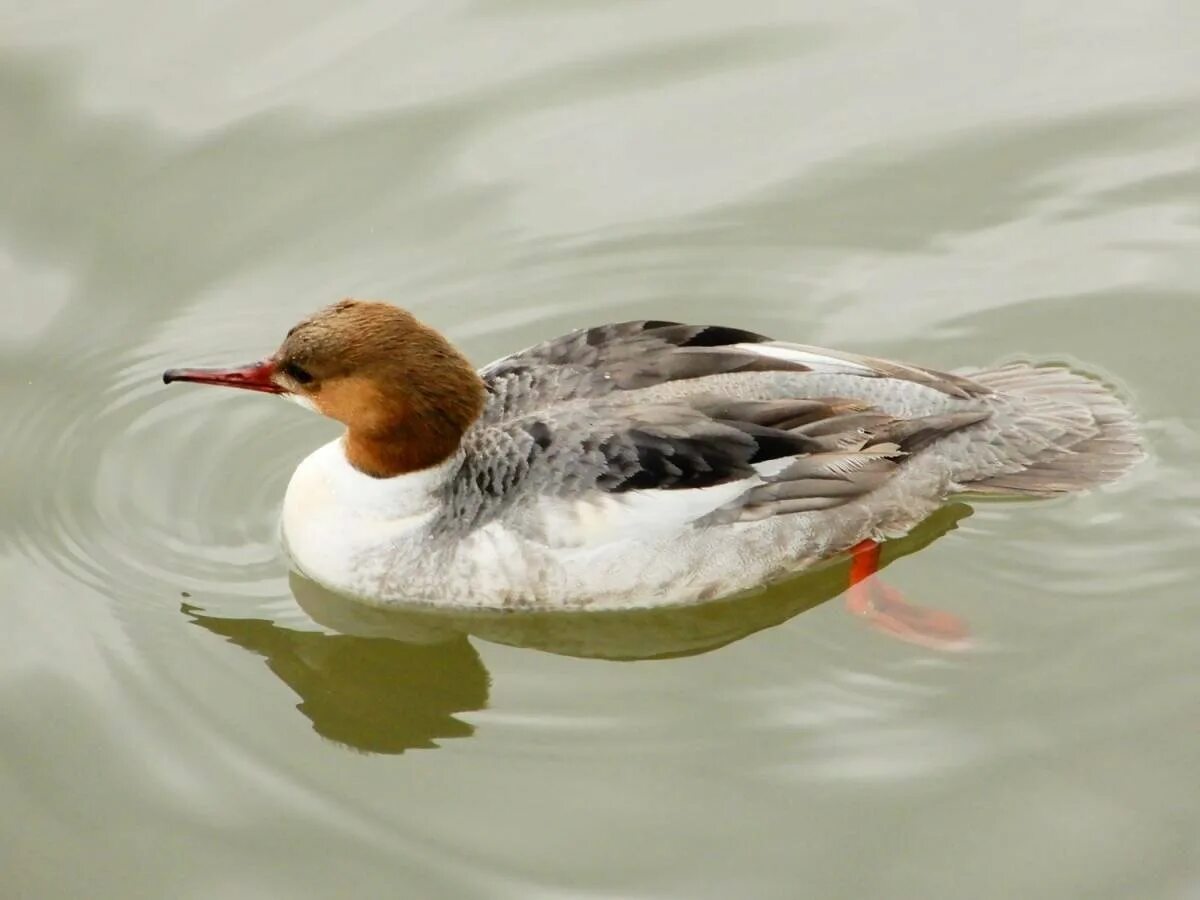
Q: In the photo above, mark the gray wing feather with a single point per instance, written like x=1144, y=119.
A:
x=570, y=416
x=595, y=362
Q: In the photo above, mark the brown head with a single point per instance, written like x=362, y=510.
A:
x=403, y=392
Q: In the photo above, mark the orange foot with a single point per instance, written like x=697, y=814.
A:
x=885, y=608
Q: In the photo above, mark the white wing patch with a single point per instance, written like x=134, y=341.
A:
x=823, y=361
x=636, y=515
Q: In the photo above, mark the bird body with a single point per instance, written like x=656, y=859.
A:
x=644, y=463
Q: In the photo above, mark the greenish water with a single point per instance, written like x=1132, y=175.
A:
x=943, y=184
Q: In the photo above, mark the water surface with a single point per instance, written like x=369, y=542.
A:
x=948, y=185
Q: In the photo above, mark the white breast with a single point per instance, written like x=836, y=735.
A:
x=350, y=531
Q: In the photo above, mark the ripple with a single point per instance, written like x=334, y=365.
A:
x=142, y=492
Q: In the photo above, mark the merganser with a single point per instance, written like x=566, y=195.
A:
x=646, y=463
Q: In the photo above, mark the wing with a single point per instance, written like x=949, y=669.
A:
x=651, y=424
x=597, y=362
x=585, y=471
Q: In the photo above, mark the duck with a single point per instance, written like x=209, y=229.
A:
x=647, y=463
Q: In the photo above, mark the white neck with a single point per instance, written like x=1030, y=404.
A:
x=327, y=471
x=346, y=529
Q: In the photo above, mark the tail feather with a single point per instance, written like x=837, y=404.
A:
x=1075, y=432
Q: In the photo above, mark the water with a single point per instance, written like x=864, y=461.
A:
x=949, y=185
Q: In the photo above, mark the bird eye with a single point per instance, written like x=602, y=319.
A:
x=296, y=373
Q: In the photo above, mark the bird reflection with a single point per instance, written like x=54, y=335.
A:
x=374, y=694
x=393, y=680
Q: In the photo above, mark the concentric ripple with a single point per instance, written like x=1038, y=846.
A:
x=147, y=492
